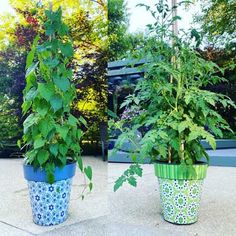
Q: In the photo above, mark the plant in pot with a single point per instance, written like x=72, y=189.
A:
x=176, y=109
x=51, y=134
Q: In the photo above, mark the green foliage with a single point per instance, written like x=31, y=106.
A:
x=217, y=27
x=117, y=27
x=121, y=41
x=176, y=110
x=128, y=176
x=9, y=122
x=218, y=20
x=51, y=132
x=87, y=24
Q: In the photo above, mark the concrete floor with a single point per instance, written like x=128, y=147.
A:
x=130, y=211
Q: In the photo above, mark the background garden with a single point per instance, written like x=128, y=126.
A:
x=87, y=21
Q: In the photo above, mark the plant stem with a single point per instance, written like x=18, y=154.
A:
x=169, y=155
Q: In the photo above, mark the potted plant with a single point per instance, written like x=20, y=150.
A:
x=51, y=134
x=178, y=113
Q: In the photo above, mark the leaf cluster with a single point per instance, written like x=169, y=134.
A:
x=51, y=133
x=177, y=112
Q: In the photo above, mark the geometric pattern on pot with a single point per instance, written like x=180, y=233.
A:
x=50, y=202
x=180, y=200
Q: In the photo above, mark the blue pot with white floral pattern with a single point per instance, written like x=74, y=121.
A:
x=180, y=191
x=49, y=202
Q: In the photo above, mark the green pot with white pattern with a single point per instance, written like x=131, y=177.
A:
x=180, y=191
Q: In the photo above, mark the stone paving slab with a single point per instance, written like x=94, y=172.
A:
x=130, y=211
x=15, y=205
x=103, y=226
x=10, y=230
x=140, y=205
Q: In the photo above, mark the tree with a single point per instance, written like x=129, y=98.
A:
x=218, y=25
x=218, y=19
x=121, y=41
x=87, y=22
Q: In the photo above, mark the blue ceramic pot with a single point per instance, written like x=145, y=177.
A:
x=49, y=202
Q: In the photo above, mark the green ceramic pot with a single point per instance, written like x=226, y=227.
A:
x=180, y=192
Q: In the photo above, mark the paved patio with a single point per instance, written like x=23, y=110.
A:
x=130, y=211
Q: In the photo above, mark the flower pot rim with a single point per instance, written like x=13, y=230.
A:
x=175, y=172
x=199, y=163
x=38, y=175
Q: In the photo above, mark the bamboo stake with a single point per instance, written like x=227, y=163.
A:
x=182, y=149
x=173, y=59
x=50, y=8
x=174, y=14
x=174, y=30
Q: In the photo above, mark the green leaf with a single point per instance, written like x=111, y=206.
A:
x=182, y=126
x=193, y=135
x=26, y=106
x=63, y=149
x=72, y=120
x=63, y=30
x=63, y=131
x=112, y=114
x=119, y=182
x=45, y=126
x=68, y=140
x=79, y=134
x=175, y=143
x=31, y=69
x=29, y=121
x=30, y=155
x=38, y=143
x=82, y=120
x=32, y=93
x=176, y=18
x=56, y=102
x=19, y=143
x=88, y=172
x=211, y=140
x=162, y=150
x=189, y=161
x=163, y=135
x=52, y=62
x=30, y=56
x=42, y=156
x=30, y=81
x=54, y=45
x=75, y=147
x=80, y=163
x=46, y=90
x=42, y=107
x=63, y=159
x=54, y=149
x=90, y=186
x=137, y=170
x=62, y=83
x=66, y=49
x=48, y=13
x=132, y=181
x=49, y=31
x=50, y=168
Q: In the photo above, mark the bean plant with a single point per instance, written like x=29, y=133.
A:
x=51, y=133
x=177, y=112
